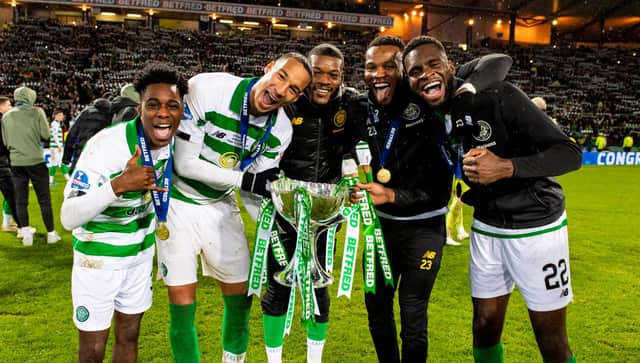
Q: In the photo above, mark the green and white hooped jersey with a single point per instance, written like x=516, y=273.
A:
x=212, y=118
x=55, y=141
x=123, y=234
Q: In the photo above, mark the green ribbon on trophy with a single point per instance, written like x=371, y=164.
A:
x=372, y=229
x=352, y=234
x=302, y=263
x=331, y=245
x=258, y=269
x=277, y=248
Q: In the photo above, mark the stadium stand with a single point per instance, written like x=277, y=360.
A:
x=588, y=89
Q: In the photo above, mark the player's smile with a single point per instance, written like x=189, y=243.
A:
x=161, y=110
x=429, y=74
x=433, y=89
x=327, y=78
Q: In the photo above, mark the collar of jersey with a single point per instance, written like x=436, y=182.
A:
x=238, y=95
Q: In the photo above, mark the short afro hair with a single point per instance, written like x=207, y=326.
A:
x=386, y=40
x=420, y=41
x=154, y=73
x=328, y=50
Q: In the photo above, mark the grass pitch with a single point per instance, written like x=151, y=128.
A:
x=602, y=205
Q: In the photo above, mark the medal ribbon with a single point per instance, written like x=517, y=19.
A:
x=390, y=139
x=244, y=130
x=258, y=270
x=160, y=199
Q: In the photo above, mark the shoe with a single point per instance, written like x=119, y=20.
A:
x=462, y=234
x=53, y=237
x=32, y=230
x=27, y=236
x=452, y=242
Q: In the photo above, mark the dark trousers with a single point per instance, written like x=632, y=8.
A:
x=415, y=252
x=276, y=299
x=8, y=191
x=39, y=176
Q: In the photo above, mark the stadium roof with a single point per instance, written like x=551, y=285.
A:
x=578, y=20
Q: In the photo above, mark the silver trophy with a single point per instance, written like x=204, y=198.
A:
x=326, y=203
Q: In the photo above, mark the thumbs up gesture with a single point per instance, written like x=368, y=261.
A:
x=135, y=177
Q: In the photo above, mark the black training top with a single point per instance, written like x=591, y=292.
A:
x=512, y=127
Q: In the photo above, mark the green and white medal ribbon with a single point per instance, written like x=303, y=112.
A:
x=258, y=270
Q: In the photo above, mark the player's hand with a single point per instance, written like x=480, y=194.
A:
x=481, y=166
x=379, y=194
x=135, y=178
x=258, y=183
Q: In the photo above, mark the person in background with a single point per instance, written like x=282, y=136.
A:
x=601, y=141
x=56, y=147
x=23, y=129
x=627, y=143
x=540, y=103
x=108, y=206
x=125, y=106
x=6, y=181
x=91, y=120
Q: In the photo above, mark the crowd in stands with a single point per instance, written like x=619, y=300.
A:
x=364, y=6
x=588, y=90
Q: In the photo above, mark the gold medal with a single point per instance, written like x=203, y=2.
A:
x=147, y=196
x=383, y=175
x=162, y=231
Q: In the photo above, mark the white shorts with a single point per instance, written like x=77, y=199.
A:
x=213, y=231
x=56, y=157
x=536, y=259
x=97, y=293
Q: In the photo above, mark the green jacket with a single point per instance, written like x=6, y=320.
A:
x=23, y=128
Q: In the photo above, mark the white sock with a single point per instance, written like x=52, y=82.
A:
x=314, y=350
x=461, y=230
x=228, y=357
x=50, y=179
x=274, y=355
x=6, y=219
